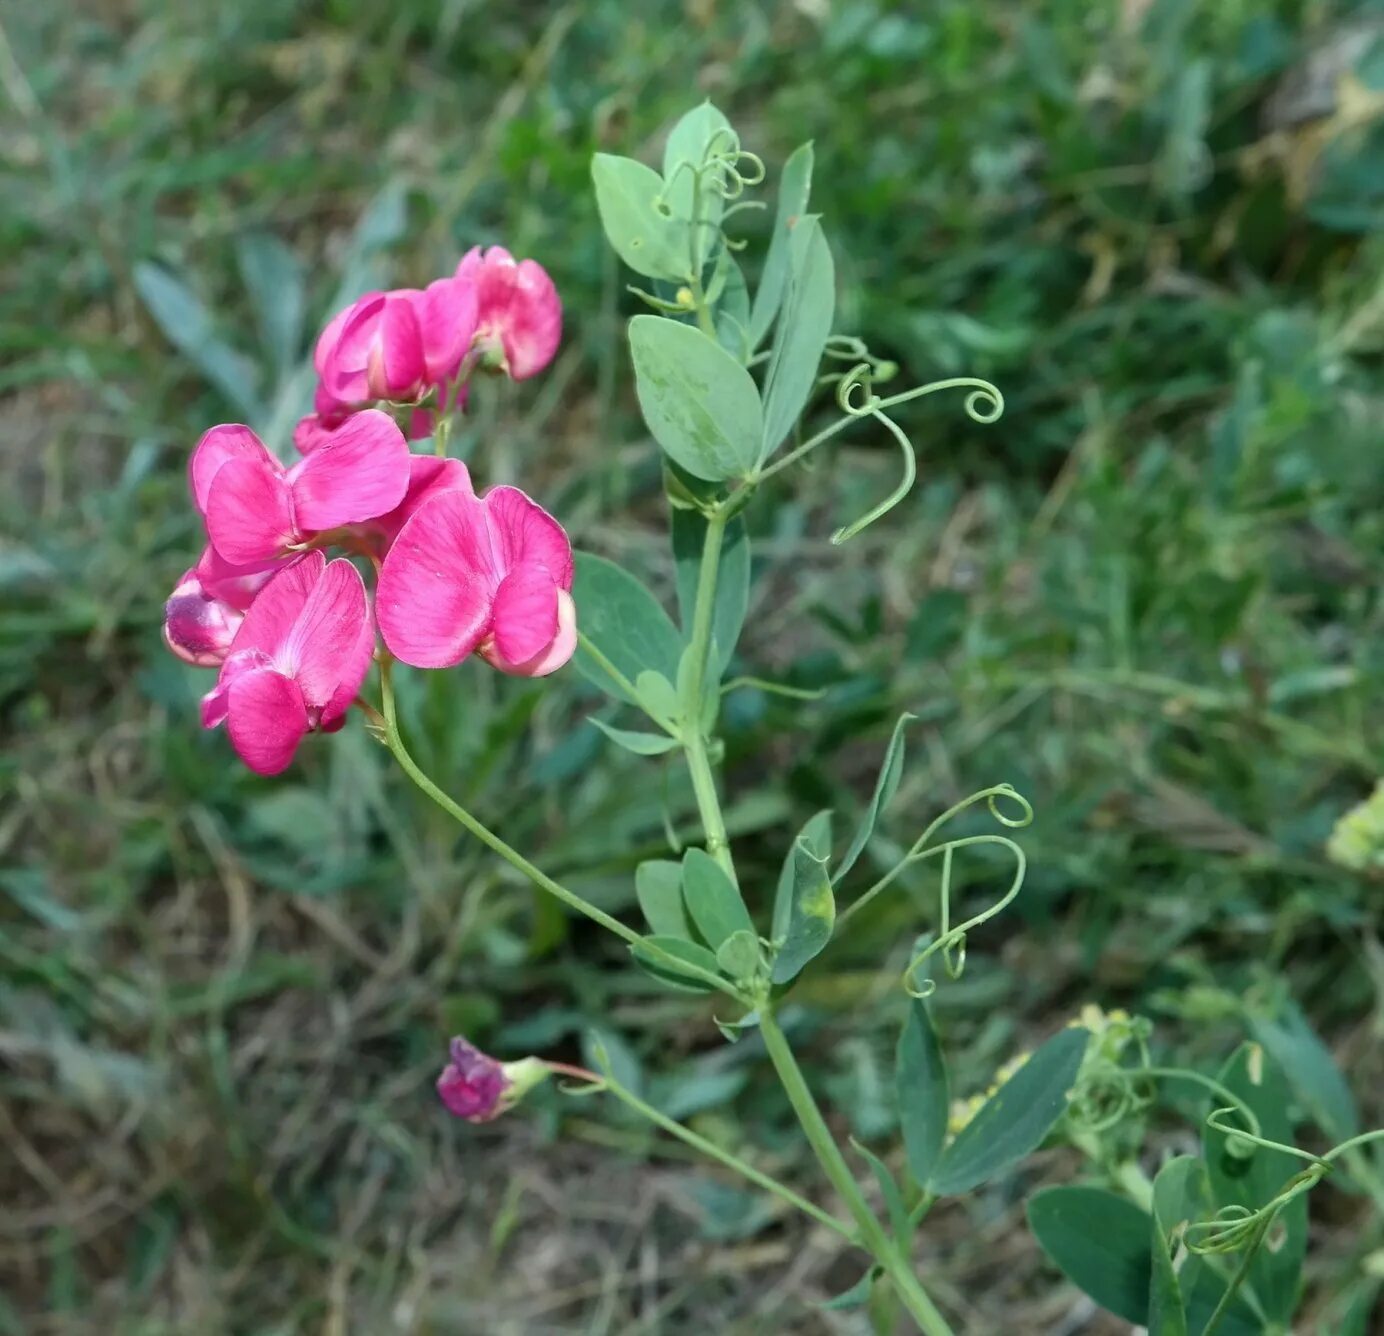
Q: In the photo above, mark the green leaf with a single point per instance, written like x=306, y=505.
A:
x=811, y=912
x=688, y=142
x=739, y=955
x=648, y=239
x=858, y=1295
x=188, y=326
x=1100, y=1242
x=732, y=582
x=1015, y=1119
x=733, y=310
x=1174, y=1191
x=657, y=695
x=701, y=405
x=801, y=334
x=666, y=971
x=641, y=744
x=658, y=887
x=920, y=1078
x=886, y=786
x=274, y=279
x=1311, y=1071
x=713, y=900
x=1254, y=1180
x=795, y=186
x=625, y=623
x=817, y=835
x=889, y=1191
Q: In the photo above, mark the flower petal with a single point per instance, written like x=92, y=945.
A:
x=436, y=585
x=266, y=719
x=220, y=445
x=344, y=363
x=395, y=368
x=322, y=650
x=525, y=534
x=360, y=472
x=427, y=476
x=532, y=327
x=447, y=313
x=235, y=585
x=554, y=655
x=270, y=621
x=352, y=670
x=524, y=615
x=249, y=511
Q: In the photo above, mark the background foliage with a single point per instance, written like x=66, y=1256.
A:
x=1147, y=598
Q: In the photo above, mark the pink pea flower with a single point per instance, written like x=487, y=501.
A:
x=205, y=611
x=394, y=345
x=296, y=662
x=256, y=509
x=519, y=316
x=477, y=1088
x=490, y=575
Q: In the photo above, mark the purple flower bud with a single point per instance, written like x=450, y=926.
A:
x=477, y=1088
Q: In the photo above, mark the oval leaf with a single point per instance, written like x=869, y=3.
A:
x=701, y=128
x=713, y=900
x=802, y=332
x=1100, y=1242
x=641, y=744
x=811, y=912
x=1313, y=1073
x=1015, y=1119
x=650, y=241
x=885, y=787
x=667, y=971
x=920, y=1077
x=625, y=623
x=795, y=186
x=701, y=405
x=658, y=887
x=1255, y=1180
x=816, y=834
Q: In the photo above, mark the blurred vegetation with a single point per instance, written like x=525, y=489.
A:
x=1148, y=598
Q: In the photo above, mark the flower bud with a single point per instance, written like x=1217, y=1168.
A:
x=477, y=1088
x=197, y=626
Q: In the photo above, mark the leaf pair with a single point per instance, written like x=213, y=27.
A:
x=1006, y=1128
x=697, y=914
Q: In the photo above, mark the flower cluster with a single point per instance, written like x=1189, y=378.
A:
x=458, y=573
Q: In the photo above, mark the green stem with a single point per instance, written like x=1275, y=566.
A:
x=515, y=859
x=694, y=737
x=763, y=1180
x=872, y=1234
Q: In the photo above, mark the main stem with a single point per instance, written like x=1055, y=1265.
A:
x=694, y=736
x=872, y=1234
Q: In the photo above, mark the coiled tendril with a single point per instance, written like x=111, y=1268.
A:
x=951, y=940
x=856, y=398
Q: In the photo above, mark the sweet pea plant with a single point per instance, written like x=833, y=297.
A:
x=1213, y=1241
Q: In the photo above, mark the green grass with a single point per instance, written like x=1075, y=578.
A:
x=1147, y=598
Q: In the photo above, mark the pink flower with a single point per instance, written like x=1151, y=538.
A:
x=296, y=662
x=256, y=509
x=490, y=575
x=477, y=1088
x=394, y=345
x=519, y=316
x=205, y=611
